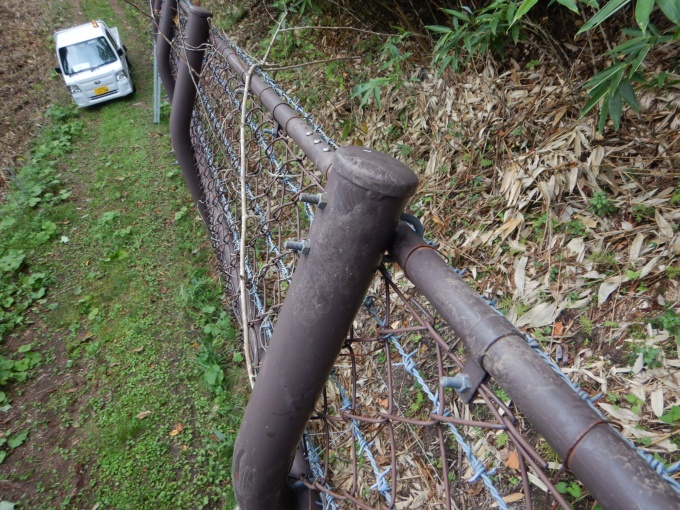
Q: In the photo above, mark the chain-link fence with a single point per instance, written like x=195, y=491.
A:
x=407, y=418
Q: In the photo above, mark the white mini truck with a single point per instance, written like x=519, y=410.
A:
x=93, y=62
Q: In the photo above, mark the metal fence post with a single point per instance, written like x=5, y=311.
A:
x=197, y=32
x=155, y=6
x=366, y=193
x=166, y=31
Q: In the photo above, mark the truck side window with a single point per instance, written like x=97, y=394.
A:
x=111, y=40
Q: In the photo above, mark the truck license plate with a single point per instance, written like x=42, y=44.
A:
x=101, y=90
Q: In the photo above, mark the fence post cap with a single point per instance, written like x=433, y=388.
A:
x=199, y=11
x=375, y=171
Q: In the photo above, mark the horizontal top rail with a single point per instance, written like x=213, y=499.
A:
x=316, y=149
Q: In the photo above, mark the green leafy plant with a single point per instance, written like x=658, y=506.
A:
x=18, y=369
x=642, y=212
x=181, y=213
x=417, y=402
x=501, y=440
x=393, y=59
x=613, y=86
x=632, y=275
x=635, y=402
x=650, y=356
x=675, y=198
x=586, y=325
x=296, y=6
x=473, y=33
x=571, y=488
x=16, y=440
x=501, y=394
x=672, y=416
x=490, y=28
x=12, y=261
x=669, y=321
x=575, y=228
x=601, y=205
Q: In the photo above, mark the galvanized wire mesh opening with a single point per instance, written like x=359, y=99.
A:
x=384, y=434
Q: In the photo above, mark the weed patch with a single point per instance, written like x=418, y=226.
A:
x=140, y=402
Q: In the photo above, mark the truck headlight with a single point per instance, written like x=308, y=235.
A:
x=75, y=89
x=120, y=75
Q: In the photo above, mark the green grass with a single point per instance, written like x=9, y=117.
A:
x=126, y=305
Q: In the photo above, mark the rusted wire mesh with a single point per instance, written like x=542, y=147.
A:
x=383, y=434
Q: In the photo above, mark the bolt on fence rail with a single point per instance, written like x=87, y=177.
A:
x=383, y=430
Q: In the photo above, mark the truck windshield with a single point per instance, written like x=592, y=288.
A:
x=86, y=55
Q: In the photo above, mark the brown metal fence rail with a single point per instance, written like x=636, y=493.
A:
x=375, y=390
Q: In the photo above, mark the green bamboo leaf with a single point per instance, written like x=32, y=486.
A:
x=595, y=96
x=661, y=79
x=467, y=40
x=671, y=8
x=632, y=32
x=603, y=14
x=439, y=29
x=630, y=46
x=604, y=75
x=569, y=4
x=515, y=33
x=457, y=14
x=643, y=8
x=638, y=60
x=604, y=112
x=615, y=109
x=494, y=25
x=524, y=7
x=628, y=95
x=615, y=80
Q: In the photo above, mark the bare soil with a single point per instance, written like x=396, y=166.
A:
x=26, y=88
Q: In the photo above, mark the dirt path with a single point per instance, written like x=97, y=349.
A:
x=25, y=85
x=52, y=401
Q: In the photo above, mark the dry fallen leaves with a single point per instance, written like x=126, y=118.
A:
x=143, y=414
x=178, y=428
x=513, y=461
